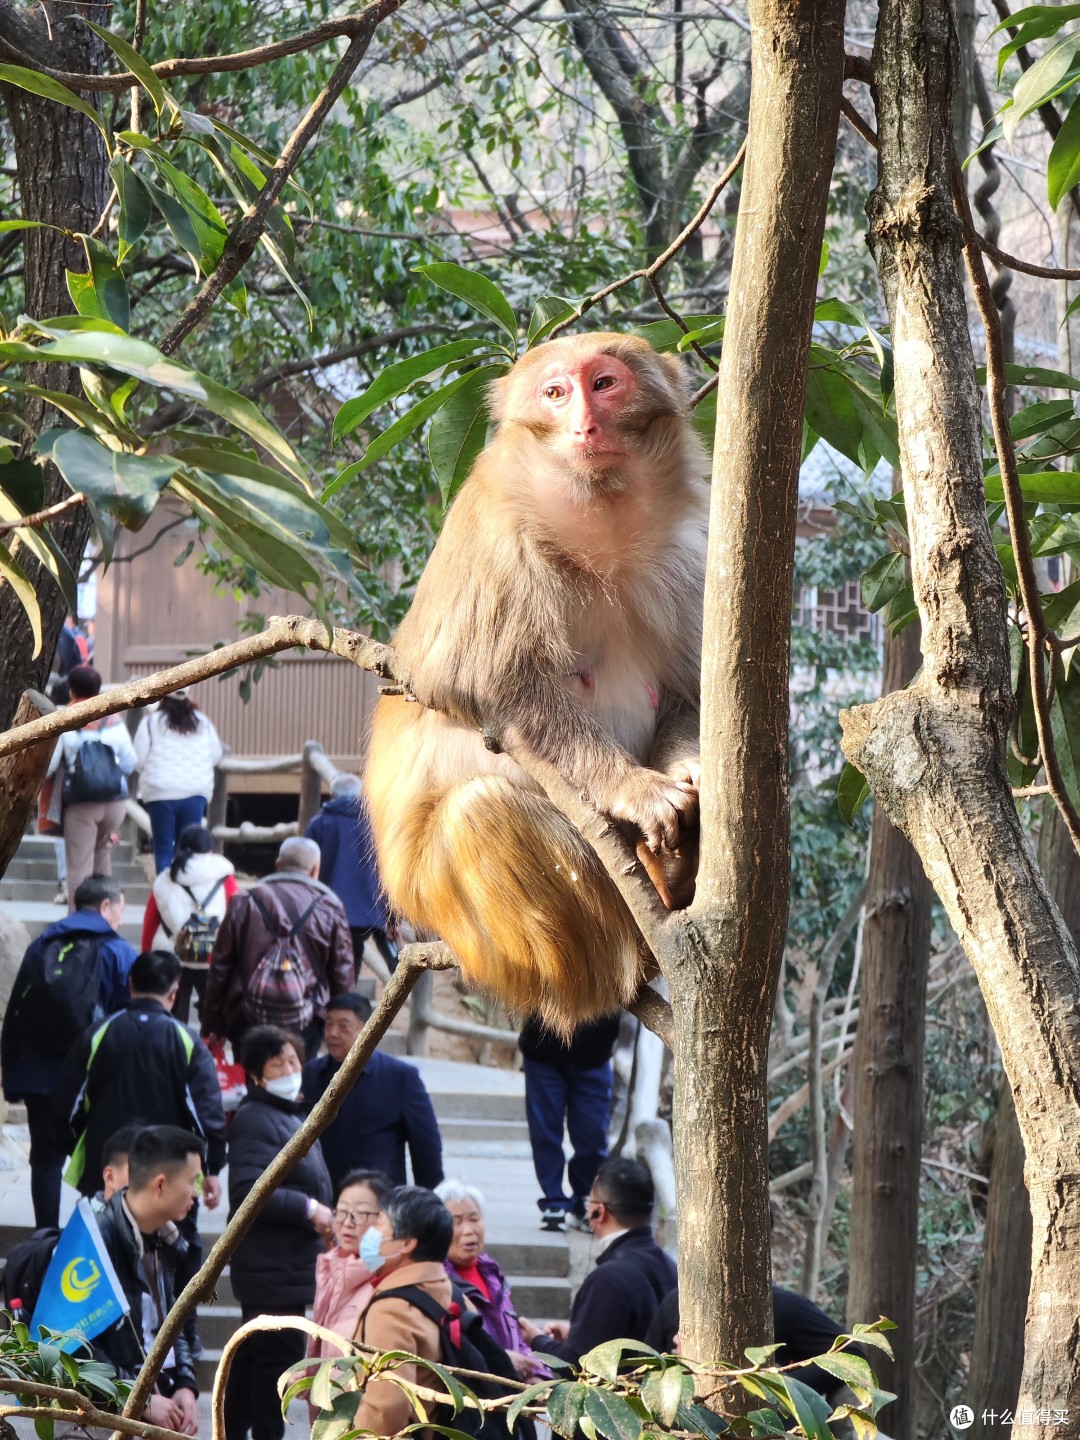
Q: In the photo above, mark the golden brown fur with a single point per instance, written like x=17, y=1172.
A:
x=562, y=603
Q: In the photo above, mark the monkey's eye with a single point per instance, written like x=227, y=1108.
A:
x=554, y=392
x=603, y=382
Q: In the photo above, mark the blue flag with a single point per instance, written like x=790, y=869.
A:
x=81, y=1290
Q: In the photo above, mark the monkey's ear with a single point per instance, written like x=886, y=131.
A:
x=680, y=379
x=497, y=397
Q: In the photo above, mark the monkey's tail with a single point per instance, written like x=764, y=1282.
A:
x=522, y=900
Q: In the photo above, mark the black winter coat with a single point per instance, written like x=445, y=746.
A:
x=619, y=1298
x=139, y=1064
x=274, y=1265
x=122, y=1344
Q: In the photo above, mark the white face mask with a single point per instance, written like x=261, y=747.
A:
x=285, y=1087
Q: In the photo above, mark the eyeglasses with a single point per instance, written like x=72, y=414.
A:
x=354, y=1217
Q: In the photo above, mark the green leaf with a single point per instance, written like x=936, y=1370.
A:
x=404, y=425
x=44, y=1429
x=110, y=287
x=532, y=1396
x=883, y=580
x=1044, y=487
x=24, y=482
x=666, y=334
x=459, y=430
x=566, y=1407
x=1034, y=375
x=1058, y=608
x=603, y=1360
x=761, y=1354
x=851, y=1369
x=134, y=62
x=830, y=409
x=12, y=573
x=177, y=219
x=1065, y=727
x=612, y=1415
x=1049, y=75
x=49, y=89
x=38, y=541
x=706, y=335
x=9, y=225
x=1063, y=165
x=476, y=290
x=902, y=608
x=396, y=379
x=136, y=205
x=810, y=1409
x=246, y=416
x=852, y=792
x=874, y=1335
x=80, y=286
x=703, y=1421
x=276, y=561
x=1033, y=419
x=549, y=311
x=663, y=1391
x=127, y=486
x=103, y=344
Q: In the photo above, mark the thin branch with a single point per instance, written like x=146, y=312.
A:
x=334, y=357
x=282, y=633
x=857, y=123
x=1011, y=262
x=42, y=517
x=669, y=254
x=83, y=1411
x=654, y=285
x=406, y=97
x=996, y=386
x=352, y=26
x=244, y=235
x=413, y=961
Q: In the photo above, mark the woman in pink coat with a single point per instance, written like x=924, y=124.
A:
x=342, y=1280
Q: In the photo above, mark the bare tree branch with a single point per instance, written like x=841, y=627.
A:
x=244, y=235
x=288, y=368
x=42, y=517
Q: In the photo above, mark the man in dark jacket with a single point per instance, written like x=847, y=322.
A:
x=620, y=1297
x=567, y=1084
x=386, y=1110
x=342, y=832
x=292, y=901
x=164, y=1167
x=140, y=1063
x=39, y=1030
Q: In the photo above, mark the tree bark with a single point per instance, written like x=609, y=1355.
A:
x=997, y=1352
x=935, y=753
x=723, y=986
x=888, y=1072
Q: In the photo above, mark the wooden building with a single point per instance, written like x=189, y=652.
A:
x=152, y=613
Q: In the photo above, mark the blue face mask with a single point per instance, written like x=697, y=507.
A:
x=370, y=1242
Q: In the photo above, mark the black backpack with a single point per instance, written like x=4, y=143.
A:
x=465, y=1344
x=193, y=943
x=57, y=992
x=94, y=775
x=25, y=1269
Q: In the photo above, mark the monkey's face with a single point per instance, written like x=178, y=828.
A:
x=581, y=410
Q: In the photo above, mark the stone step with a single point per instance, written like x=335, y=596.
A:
x=481, y=1130
x=126, y=872
x=38, y=917
x=40, y=847
x=41, y=891
x=477, y=1105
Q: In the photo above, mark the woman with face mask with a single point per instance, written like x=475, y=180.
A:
x=273, y=1269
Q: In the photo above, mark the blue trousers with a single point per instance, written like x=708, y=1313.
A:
x=582, y=1100
x=167, y=819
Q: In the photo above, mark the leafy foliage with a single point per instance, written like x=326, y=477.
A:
x=620, y=1390
x=58, y=1361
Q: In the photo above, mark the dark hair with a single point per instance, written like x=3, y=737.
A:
x=95, y=890
x=154, y=972
x=377, y=1181
x=160, y=1149
x=194, y=840
x=626, y=1188
x=350, y=1000
x=118, y=1146
x=263, y=1042
x=179, y=714
x=84, y=682
x=59, y=691
x=420, y=1215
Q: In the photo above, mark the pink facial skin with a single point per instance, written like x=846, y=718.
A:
x=584, y=401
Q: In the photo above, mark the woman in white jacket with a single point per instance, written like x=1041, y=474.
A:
x=176, y=748
x=197, y=882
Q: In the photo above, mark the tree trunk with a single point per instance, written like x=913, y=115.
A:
x=997, y=1353
x=888, y=1071
x=935, y=753
x=723, y=986
x=63, y=180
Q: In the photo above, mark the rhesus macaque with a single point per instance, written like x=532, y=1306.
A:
x=562, y=603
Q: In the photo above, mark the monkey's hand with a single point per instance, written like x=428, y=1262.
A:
x=657, y=805
x=688, y=771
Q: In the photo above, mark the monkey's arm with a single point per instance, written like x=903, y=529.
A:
x=677, y=746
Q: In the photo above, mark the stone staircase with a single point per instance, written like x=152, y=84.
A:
x=29, y=884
